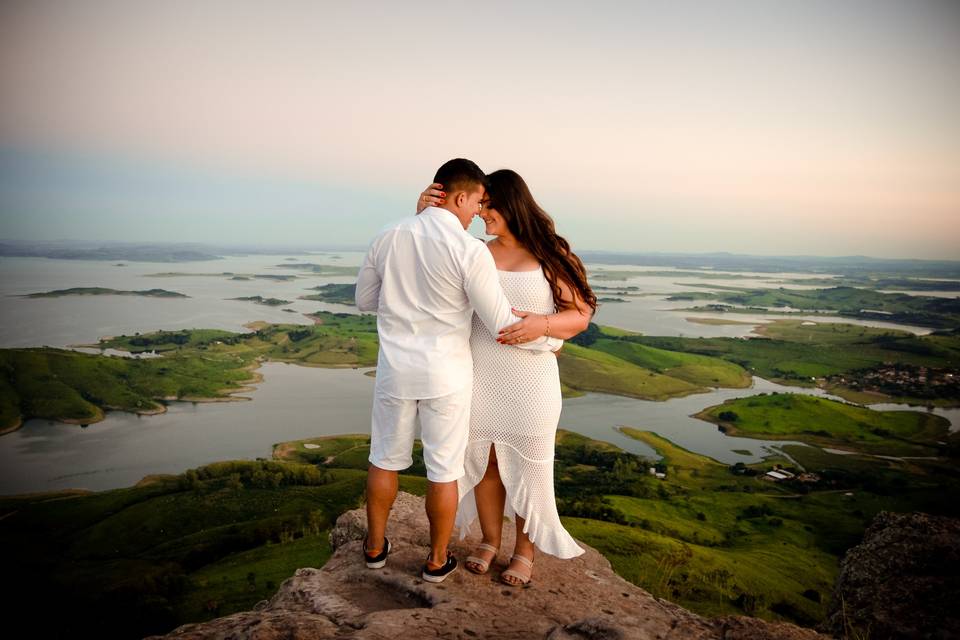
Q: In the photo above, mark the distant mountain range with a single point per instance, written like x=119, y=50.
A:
x=721, y=261
x=151, y=251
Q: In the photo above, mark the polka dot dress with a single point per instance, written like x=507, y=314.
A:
x=516, y=406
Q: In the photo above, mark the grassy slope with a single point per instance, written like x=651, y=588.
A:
x=196, y=364
x=793, y=352
x=179, y=548
x=832, y=424
x=695, y=369
x=592, y=370
x=695, y=542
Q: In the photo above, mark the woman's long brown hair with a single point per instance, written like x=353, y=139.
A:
x=534, y=229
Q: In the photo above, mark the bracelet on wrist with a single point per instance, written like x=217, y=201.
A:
x=547, y=332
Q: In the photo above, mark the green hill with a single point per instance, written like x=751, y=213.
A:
x=831, y=424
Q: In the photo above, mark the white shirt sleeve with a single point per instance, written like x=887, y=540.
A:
x=483, y=289
x=368, y=282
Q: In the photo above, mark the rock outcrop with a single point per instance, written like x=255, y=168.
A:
x=902, y=581
x=566, y=599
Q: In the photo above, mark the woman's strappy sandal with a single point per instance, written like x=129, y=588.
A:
x=522, y=579
x=485, y=564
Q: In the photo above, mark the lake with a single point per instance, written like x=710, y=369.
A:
x=292, y=402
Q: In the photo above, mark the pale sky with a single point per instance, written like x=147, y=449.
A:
x=807, y=127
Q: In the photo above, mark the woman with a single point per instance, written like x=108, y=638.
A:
x=516, y=395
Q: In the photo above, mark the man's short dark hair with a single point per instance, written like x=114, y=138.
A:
x=460, y=174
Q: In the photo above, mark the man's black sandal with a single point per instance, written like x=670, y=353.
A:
x=377, y=561
x=439, y=574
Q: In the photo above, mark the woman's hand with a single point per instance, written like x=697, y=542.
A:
x=432, y=196
x=531, y=327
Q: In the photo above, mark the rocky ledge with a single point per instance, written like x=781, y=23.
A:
x=901, y=581
x=566, y=599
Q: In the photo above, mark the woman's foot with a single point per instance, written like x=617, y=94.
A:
x=480, y=562
x=519, y=571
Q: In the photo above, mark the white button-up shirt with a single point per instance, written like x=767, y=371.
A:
x=425, y=276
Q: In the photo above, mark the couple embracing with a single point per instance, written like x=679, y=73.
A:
x=485, y=386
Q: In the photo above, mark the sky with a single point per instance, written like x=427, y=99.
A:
x=771, y=128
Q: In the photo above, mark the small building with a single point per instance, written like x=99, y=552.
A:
x=775, y=476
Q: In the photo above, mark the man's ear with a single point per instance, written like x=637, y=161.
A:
x=461, y=198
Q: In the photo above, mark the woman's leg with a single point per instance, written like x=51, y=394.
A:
x=490, y=495
x=523, y=548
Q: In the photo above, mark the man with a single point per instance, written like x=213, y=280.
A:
x=425, y=276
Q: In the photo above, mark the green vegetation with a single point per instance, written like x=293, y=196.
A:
x=336, y=293
x=590, y=370
x=719, y=542
x=805, y=354
x=197, y=364
x=606, y=360
x=175, y=549
x=103, y=291
x=829, y=423
x=76, y=387
x=928, y=311
x=270, y=302
x=217, y=539
x=203, y=364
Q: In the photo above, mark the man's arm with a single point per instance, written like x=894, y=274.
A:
x=488, y=300
x=368, y=282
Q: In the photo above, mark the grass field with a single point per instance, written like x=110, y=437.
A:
x=720, y=543
x=930, y=311
x=830, y=423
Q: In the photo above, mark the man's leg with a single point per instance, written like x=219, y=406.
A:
x=381, y=492
x=444, y=428
x=441, y=511
x=391, y=448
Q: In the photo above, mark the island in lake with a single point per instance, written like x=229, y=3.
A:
x=224, y=274
x=323, y=269
x=72, y=386
x=270, y=302
x=103, y=291
x=336, y=293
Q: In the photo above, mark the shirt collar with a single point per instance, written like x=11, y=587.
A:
x=443, y=214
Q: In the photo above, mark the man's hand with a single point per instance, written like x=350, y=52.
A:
x=432, y=196
x=531, y=327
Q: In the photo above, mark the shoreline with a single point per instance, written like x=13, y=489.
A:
x=729, y=429
x=256, y=378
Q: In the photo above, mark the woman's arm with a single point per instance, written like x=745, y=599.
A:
x=564, y=324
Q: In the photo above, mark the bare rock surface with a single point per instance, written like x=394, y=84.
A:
x=901, y=581
x=579, y=599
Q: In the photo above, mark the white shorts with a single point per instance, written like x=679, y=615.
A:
x=444, y=428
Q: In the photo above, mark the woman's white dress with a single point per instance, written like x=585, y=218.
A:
x=516, y=406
